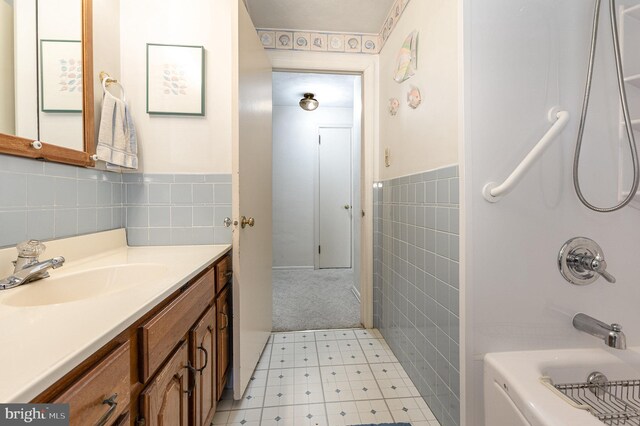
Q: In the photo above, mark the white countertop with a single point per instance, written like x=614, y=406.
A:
x=40, y=344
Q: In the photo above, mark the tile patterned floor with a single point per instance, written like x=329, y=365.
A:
x=327, y=378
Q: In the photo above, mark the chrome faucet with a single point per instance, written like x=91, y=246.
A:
x=611, y=334
x=27, y=267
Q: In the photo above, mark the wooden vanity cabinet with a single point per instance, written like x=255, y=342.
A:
x=160, y=334
x=223, y=305
x=168, y=368
x=165, y=400
x=101, y=394
x=224, y=273
x=202, y=355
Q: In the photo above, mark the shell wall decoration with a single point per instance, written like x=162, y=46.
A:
x=394, y=105
x=333, y=42
x=413, y=97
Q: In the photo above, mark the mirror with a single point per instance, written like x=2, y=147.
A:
x=47, y=45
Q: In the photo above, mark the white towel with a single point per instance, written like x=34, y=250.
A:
x=117, y=141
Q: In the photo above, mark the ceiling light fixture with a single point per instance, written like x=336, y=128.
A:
x=309, y=103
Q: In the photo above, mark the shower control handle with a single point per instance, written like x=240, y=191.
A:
x=581, y=262
x=600, y=266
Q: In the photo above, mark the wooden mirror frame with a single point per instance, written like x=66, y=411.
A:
x=15, y=145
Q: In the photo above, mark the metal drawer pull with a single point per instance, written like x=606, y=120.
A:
x=192, y=386
x=226, y=321
x=206, y=359
x=113, y=405
x=228, y=274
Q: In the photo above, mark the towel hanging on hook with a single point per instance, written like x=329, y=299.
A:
x=117, y=141
x=107, y=80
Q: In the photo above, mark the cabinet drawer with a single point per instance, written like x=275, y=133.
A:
x=87, y=397
x=223, y=273
x=160, y=335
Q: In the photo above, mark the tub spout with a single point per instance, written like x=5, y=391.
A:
x=612, y=335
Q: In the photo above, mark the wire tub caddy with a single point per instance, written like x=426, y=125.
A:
x=612, y=402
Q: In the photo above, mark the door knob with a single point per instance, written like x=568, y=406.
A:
x=227, y=222
x=347, y=206
x=247, y=221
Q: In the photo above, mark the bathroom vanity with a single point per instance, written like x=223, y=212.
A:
x=125, y=335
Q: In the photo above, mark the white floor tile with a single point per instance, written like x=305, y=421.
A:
x=334, y=335
x=263, y=363
x=330, y=358
x=280, y=377
x=259, y=378
x=309, y=359
x=326, y=378
x=244, y=417
x=374, y=344
x=349, y=413
x=283, y=338
x=283, y=349
x=397, y=388
x=305, y=347
x=253, y=398
x=281, y=361
x=379, y=356
x=304, y=337
x=368, y=334
x=388, y=371
x=308, y=375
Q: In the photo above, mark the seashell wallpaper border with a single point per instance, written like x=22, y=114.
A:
x=333, y=42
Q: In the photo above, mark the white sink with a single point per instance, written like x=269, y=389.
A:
x=84, y=284
x=515, y=395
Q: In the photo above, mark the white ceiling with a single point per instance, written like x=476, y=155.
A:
x=346, y=16
x=331, y=90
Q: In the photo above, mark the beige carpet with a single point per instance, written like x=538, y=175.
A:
x=307, y=299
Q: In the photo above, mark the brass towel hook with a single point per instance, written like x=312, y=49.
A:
x=110, y=80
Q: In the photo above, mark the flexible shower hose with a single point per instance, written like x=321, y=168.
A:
x=625, y=111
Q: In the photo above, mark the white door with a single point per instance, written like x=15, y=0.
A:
x=334, y=198
x=251, y=181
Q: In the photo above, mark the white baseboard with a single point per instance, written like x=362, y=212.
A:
x=291, y=267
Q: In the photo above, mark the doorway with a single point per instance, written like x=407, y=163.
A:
x=316, y=194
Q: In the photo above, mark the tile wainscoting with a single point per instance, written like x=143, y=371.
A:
x=416, y=270
x=177, y=209
x=41, y=200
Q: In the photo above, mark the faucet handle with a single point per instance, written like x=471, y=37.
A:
x=31, y=248
x=581, y=262
x=599, y=265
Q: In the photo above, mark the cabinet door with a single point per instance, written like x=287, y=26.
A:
x=202, y=350
x=223, y=304
x=165, y=400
